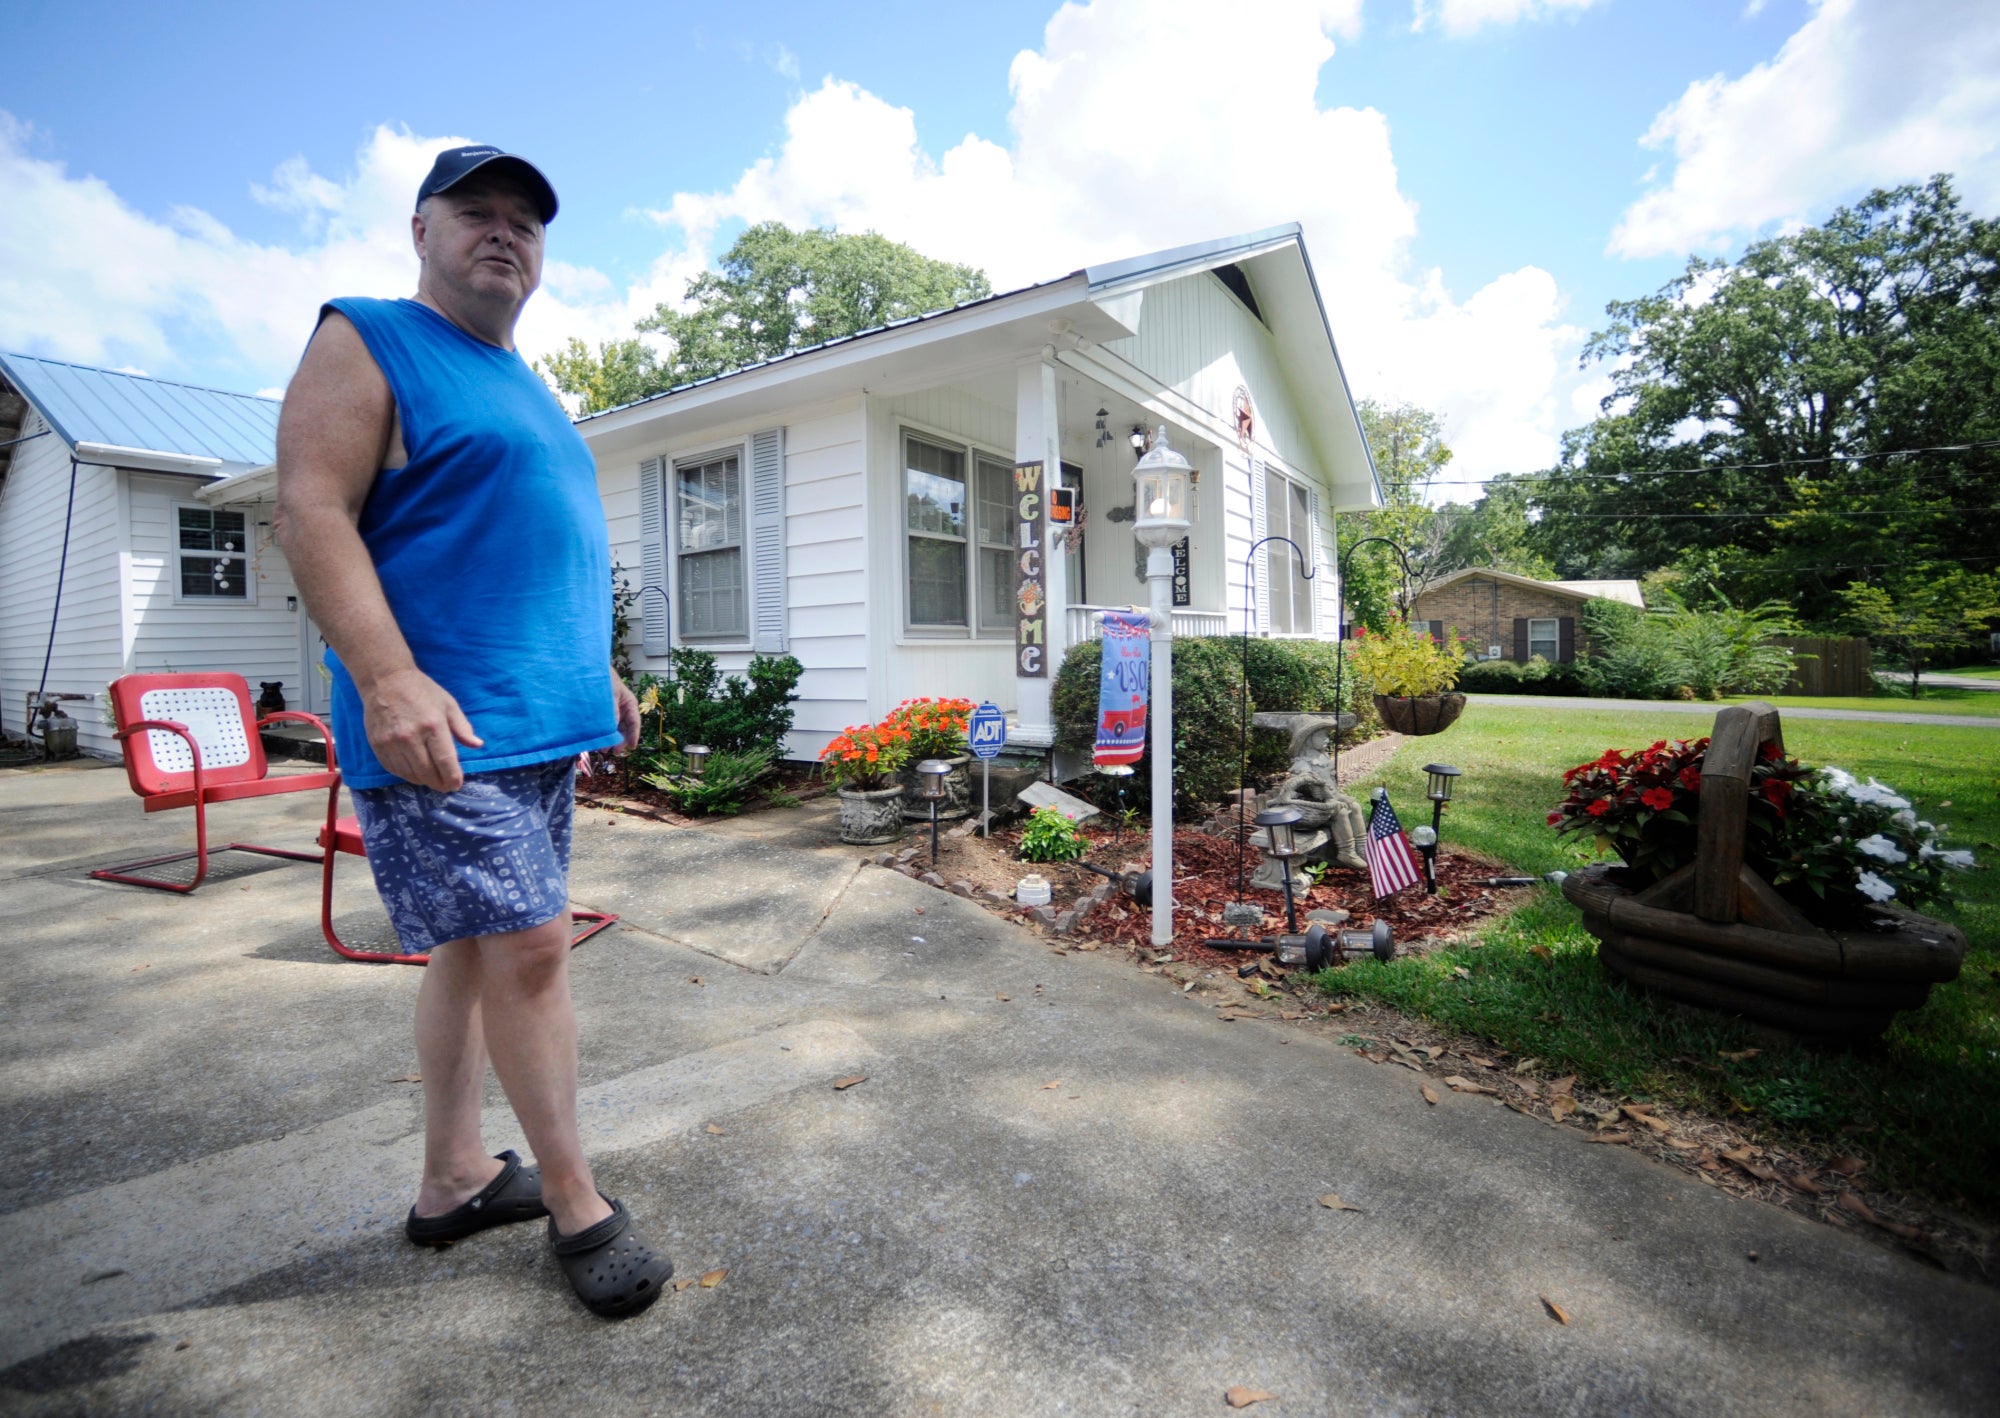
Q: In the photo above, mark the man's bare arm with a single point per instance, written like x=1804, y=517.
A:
x=336, y=429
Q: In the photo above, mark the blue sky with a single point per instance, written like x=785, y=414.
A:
x=1476, y=176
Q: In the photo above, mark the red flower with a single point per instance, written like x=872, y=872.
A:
x=1658, y=799
x=1555, y=817
x=1691, y=778
x=1599, y=808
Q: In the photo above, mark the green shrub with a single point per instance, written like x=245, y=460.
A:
x=1300, y=676
x=1538, y=676
x=726, y=780
x=1051, y=837
x=1677, y=653
x=1208, y=709
x=731, y=714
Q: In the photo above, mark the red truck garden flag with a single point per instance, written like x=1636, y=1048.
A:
x=1122, y=682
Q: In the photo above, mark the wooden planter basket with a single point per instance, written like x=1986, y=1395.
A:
x=1432, y=714
x=1718, y=935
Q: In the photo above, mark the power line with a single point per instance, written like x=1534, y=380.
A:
x=1563, y=475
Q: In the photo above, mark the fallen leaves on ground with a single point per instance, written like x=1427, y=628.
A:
x=1466, y=1085
x=849, y=1081
x=716, y=1128
x=713, y=1278
x=1851, y=1202
x=1332, y=1202
x=1242, y=1397
x=1610, y=1137
x=1461, y=972
x=695, y=980
x=1057, y=1083
x=1561, y=1106
x=1643, y=1113
x=1847, y=1166
x=1746, y=1160
x=1737, y=1055
x=1002, y=998
x=1430, y=1095
x=683, y=1283
x=1556, y=1312
x=409, y=1078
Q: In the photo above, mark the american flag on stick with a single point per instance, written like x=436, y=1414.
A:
x=1392, y=862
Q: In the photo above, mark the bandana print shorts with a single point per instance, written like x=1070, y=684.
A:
x=489, y=858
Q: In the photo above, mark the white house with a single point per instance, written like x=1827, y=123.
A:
x=857, y=504
x=117, y=554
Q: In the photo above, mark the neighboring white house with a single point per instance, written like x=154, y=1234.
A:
x=108, y=491
x=854, y=504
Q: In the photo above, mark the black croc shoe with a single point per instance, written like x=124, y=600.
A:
x=514, y=1195
x=610, y=1266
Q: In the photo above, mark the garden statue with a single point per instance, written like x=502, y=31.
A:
x=1333, y=826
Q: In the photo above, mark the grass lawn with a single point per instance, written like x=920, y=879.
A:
x=1980, y=703
x=1924, y=1104
x=1988, y=672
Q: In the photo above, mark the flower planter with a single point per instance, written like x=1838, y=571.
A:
x=958, y=792
x=1432, y=714
x=871, y=817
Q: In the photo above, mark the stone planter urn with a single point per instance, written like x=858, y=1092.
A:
x=869, y=817
x=1432, y=714
x=958, y=790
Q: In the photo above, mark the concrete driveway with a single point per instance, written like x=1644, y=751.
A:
x=210, y=1142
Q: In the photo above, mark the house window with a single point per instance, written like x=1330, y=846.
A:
x=1288, y=513
x=960, y=535
x=708, y=503
x=1545, y=639
x=213, y=554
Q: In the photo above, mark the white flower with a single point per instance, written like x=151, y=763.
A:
x=1960, y=860
x=1879, y=794
x=1839, y=779
x=1882, y=849
x=1906, y=819
x=1873, y=887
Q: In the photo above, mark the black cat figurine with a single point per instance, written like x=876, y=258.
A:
x=272, y=700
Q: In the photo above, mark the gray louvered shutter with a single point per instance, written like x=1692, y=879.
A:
x=1566, y=639
x=1520, y=639
x=1315, y=562
x=655, y=617
x=767, y=541
x=1260, y=564
x=1437, y=632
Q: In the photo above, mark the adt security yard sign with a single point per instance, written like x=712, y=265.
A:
x=986, y=732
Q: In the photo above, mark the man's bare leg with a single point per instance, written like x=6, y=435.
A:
x=451, y=1055
x=530, y=1028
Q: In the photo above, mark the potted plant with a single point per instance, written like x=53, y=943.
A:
x=936, y=728
x=1411, y=677
x=864, y=764
x=1791, y=906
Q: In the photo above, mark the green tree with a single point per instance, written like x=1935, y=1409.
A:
x=1817, y=354
x=776, y=290
x=1407, y=444
x=1918, y=620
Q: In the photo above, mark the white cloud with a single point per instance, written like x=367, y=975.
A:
x=1458, y=18
x=1867, y=93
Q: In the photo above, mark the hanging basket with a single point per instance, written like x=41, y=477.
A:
x=1432, y=714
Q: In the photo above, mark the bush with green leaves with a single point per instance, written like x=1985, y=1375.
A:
x=1300, y=676
x=726, y=781
x=729, y=713
x=1537, y=676
x=1676, y=652
x=1208, y=708
x=1051, y=837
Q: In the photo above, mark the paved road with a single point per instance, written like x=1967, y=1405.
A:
x=1678, y=706
x=1066, y=1187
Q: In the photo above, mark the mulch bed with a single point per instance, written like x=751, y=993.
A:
x=614, y=789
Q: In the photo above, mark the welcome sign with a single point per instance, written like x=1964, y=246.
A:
x=1123, y=679
x=1031, y=596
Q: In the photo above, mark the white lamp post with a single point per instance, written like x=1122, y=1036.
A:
x=1165, y=483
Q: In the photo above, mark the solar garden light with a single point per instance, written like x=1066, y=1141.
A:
x=1164, y=485
x=697, y=759
x=1278, y=823
x=1319, y=947
x=931, y=789
x=1439, y=778
x=1118, y=773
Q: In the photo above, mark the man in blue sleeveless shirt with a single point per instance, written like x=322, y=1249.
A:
x=442, y=519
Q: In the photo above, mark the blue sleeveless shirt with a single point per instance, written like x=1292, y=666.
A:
x=491, y=546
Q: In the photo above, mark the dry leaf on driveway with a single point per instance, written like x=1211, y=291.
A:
x=1561, y=1106
x=1332, y=1202
x=1430, y=1095
x=1610, y=1137
x=716, y=1128
x=1744, y=1160
x=1563, y=1085
x=1642, y=1113
x=1047, y=1086
x=1242, y=1397
x=1847, y=1166
x=409, y=1078
x=1466, y=1085
x=713, y=1278
x=849, y=1081
x=1002, y=998
x=684, y=1282
x=1556, y=1312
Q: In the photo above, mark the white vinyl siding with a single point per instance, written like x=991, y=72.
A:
x=1545, y=638
x=708, y=502
x=211, y=556
x=1288, y=513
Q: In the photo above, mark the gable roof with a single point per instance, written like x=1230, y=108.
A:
x=1099, y=303
x=1627, y=591
x=131, y=411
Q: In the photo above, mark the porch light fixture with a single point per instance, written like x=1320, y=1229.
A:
x=1278, y=824
x=1165, y=483
x=697, y=759
x=1138, y=440
x=932, y=790
x=1162, y=479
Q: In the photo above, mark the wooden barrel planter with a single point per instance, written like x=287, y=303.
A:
x=1717, y=935
x=1432, y=714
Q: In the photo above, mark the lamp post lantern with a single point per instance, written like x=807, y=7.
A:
x=697, y=759
x=1438, y=778
x=1164, y=484
x=1279, y=824
x=931, y=789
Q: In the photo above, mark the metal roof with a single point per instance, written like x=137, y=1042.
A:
x=87, y=405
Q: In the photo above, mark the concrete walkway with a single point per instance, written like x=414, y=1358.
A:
x=1707, y=710
x=1064, y=1188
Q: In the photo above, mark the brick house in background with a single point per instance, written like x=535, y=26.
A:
x=1501, y=616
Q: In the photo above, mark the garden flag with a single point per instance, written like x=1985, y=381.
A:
x=1392, y=862
x=1122, y=681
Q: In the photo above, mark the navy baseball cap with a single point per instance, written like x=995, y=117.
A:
x=454, y=165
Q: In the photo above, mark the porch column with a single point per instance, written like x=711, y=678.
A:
x=1038, y=440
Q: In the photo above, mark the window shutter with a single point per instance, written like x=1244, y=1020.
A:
x=1260, y=564
x=655, y=615
x=1437, y=632
x=1566, y=639
x=767, y=541
x=1521, y=639
x=1315, y=559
